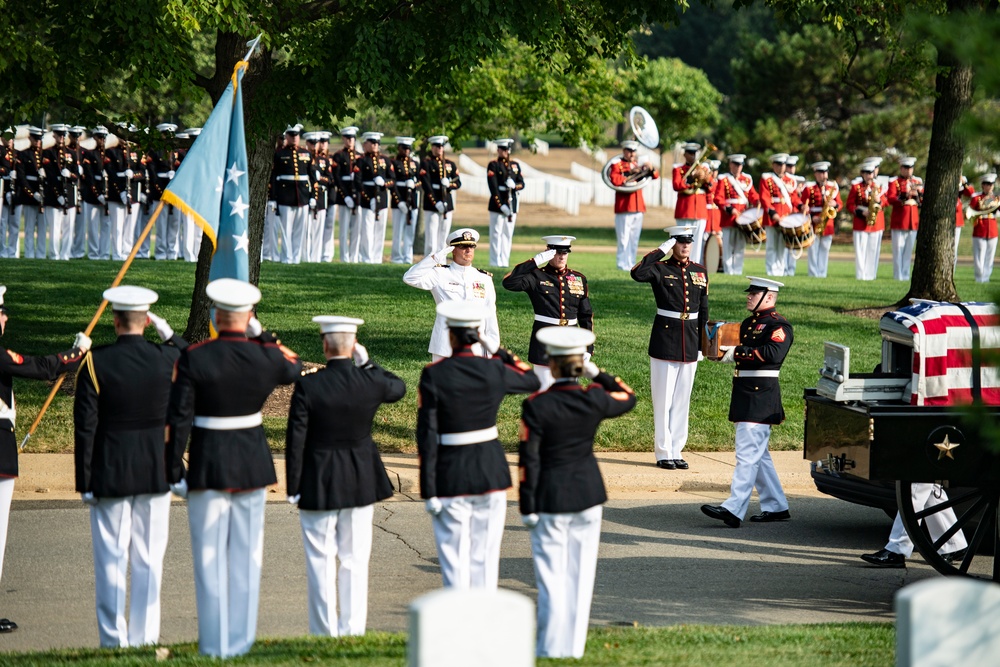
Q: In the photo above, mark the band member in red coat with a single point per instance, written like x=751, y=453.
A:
x=867, y=229
x=964, y=190
x=984, y=230
x=629, y=206
x=733, y=194
x=820, y=196
x=692, y=183
x=905, y=194
x=778, y=198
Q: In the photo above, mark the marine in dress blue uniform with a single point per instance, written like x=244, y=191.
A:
x=505, y=180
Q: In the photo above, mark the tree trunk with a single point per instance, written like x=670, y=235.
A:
x=933, y=267
x=229, y=49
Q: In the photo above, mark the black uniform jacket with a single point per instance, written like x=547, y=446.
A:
x=159, y=163
x=366, y=169
x=463, y=393
x=405, y=168
x=330, y=458
x=54, y=160
x=765, y=339
x=561, y=295
x=343, y=174
x=497, y=173
x=14, y=365
x=119, y=411
x=291, y=176
x=679, y=287
x=94, y=182
x=556, y=456
x=29, y=180
x=431, y=171
x=230, y=376
x=321, y=178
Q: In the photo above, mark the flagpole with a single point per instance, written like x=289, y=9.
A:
x=97, y=316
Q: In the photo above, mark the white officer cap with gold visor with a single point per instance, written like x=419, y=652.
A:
x=337, y=324
x=565, y=341
x=234, y=295
x=559, y=242
x=683, y=233
x=466, y=236
x=462, y=314
x=130, y=298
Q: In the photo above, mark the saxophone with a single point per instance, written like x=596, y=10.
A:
x=874, y=206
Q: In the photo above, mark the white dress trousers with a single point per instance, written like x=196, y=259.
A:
x=129, y=531
x=269, y=244
x=819, y=256
x=436, y=228
x=984, y=251
x=35, y=239
x=902, y=252
x=98, y=231
x=79, y=225
x=189, y=236
x=350, y=235
x=118, y=215
x=925, y=496
x=312, y=247
x=329, y=223
x=468, y=532
x=774, y=252
x=791, y=261
x=54, y=224
x=628, y=227
x=68, y=234
x=292, y=222
x=6, y=219
x=564, y=547
x=867, y=246
x=227, y=538
x=344, y=535
x=958, y=236
x=372, y=241
x=501, y=238
x=6, y=495
x=754, y=468
x=734, y=244
x=671, y=383
x=403, y=230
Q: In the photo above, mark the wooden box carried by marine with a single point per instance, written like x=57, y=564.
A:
x=719, y=334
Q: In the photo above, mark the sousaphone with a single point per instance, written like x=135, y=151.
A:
x=644, y=129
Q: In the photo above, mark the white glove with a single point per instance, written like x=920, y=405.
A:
x=590, y=370
x=403, y=208
x=410, y=183
x=728, y=352
x=441, y=208
x=254, y=328
x=433, y=506
x=316, y=175
x=88, y=498
x=442, y=255
x=66, y=173
x=544, y=256
x=349, y=201
x=505, y=209
x=668, y=245
x=101, y=199
x=379, y=181
x=129, y=173
x=124, y=196
x=529, y=520
x=180, y=489
x=360, y=354
x=294, y=500
x=273, y=205
x=163, y=329
x=701, y=356
x=587, y=356
x=373, y=204
x=13, y=175
x=37, y=196
x=9, y=198
x=510, y=183
x=79, y=169
x=170, y=174
x=312, y=203
x=41, y=172
x=82, y=341
x=445, y=182
x=142, y=197
x=61, y=200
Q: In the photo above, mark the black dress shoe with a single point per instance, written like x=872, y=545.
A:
x=954, y=556
x=767, y=517
x=7, y=625
x=666, y=464
x=681, y=464
x=722, y=514
x=885, y=558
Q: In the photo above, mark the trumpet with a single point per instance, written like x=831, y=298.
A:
x=702, y=173
x=874, y=206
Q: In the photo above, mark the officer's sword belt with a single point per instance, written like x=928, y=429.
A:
x=755, y=374
x=469, y=437
x=677, y=316
x=229, y=423
x=555, y=321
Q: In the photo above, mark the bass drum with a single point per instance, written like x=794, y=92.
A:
x=713, y=253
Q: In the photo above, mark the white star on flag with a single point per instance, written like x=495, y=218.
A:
x=234, y=174
x=219, y=186
x=242, y=243
x=239, y=206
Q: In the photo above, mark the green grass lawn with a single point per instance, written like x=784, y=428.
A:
x=846, y=645
x=50, y=301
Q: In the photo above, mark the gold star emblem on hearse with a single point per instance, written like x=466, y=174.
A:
x=945, y=448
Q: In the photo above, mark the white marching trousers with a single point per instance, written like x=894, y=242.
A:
x=35, y=238
x=129, y=531
x=117, y=214
x=564, y=547
x=774, y=252
x=544, y=374
x=55, y=225
x=98, y=231
x=68, y=234
x=698, y=245
x=984, y=251
x=79, y=250
x=140, y=225
x=350, y=235
x=791, y=261
x=326, y=243
x=925, y=496
x=628, y=227
x=344, y=535
x=734, y=243
x=227, y=538
x=6, y=218
x=501, y=238
x=436, y=228
x=754, y=468
x=671, y=383
x=819, y=256
x=373, y=235
x=902, y=252
x=269, y=244
x=958, y=236
x=468, y=532
x=867, y=246
x=291, y=230
x=190, y=237
x=6, y=495
x=403, y=230
x=312, y=249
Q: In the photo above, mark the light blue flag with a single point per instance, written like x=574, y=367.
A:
x=231, y=258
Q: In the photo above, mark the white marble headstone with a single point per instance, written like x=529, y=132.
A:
x=947, y=622
x=459, y=628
